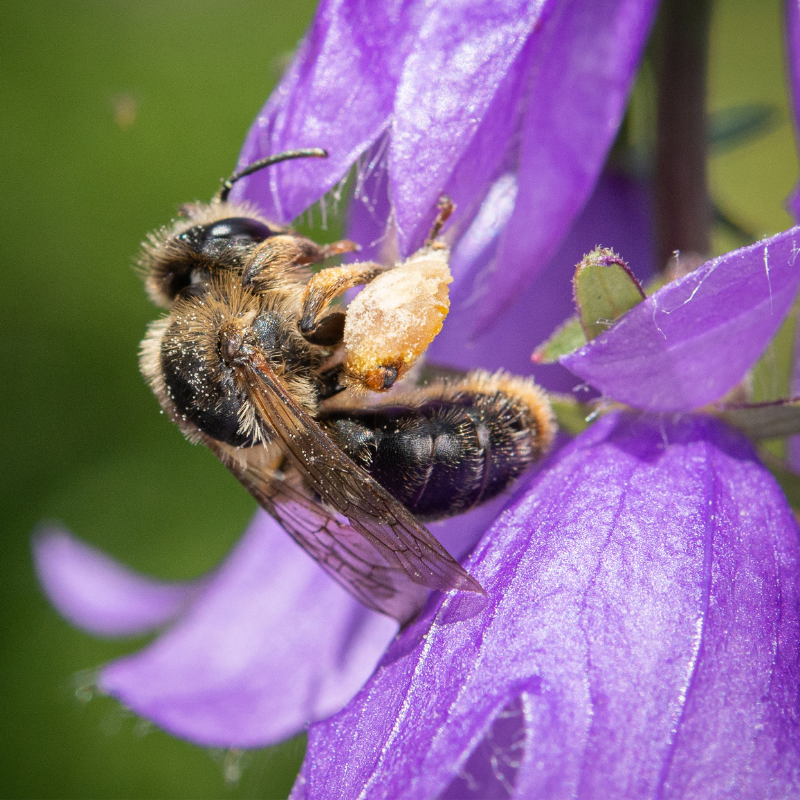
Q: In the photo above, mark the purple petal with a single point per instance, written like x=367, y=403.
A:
x=462, y=82
x=694, y=340
x=793, y=453
x=793, y=66
x=338, y=95
x=271, y=644
x=478, y=244
x=793, y=442
x=370, y=212
x=585, y=64
x=618, y=214
x=640, y=640
x=99, y=595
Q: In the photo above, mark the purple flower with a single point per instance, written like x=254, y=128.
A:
x=448, y=98
x=640, y=640
x=255, y=625
x=249, y=635
x=642, y=632
x=260, y=647
x=640, y=636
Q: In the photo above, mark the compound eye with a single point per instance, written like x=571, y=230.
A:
x=234, y=230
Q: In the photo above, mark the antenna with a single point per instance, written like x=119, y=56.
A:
x=222, y=195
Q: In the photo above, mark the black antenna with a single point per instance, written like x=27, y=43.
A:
x=222, y=195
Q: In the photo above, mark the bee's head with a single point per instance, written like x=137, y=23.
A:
x=210, y=239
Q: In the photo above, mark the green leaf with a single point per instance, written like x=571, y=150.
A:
x=604, y=290
x=565, y=338
x=764, y=420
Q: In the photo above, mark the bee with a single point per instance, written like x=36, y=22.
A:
x=256, y=361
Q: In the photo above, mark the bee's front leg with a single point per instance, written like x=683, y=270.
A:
x=327, y=329
x=285, y=257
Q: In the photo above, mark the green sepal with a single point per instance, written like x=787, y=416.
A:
x=564, y=339
x=573, y=417
x=764, y=420
x=604, y=290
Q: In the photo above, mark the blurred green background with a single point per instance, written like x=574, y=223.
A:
x=114, y=112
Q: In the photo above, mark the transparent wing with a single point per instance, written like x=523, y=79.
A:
x=341, y=550
x=382, y=534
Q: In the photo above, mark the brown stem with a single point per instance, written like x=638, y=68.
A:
x=684, y=210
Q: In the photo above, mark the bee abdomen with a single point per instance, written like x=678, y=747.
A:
x=445, y=455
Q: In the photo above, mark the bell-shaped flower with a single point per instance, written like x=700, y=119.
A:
x=641, y=639
x=641, y=635
x=438, y=105
x=448, y=98
x=250, y=653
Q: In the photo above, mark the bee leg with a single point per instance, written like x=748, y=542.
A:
x=446, y=208
x=309, y=252
x=275, y=259
x=336, y=249
x=391, y=323
x=330, y=382
x=327, y=329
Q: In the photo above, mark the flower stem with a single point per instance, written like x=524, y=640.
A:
x=684, y=209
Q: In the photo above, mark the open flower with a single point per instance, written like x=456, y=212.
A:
x=640, y=636
x=268, y=642
x=516, y=129
x=642, y=631
x=449, y=98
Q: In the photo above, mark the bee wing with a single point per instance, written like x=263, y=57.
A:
x=341, y=551
x=390, y=532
